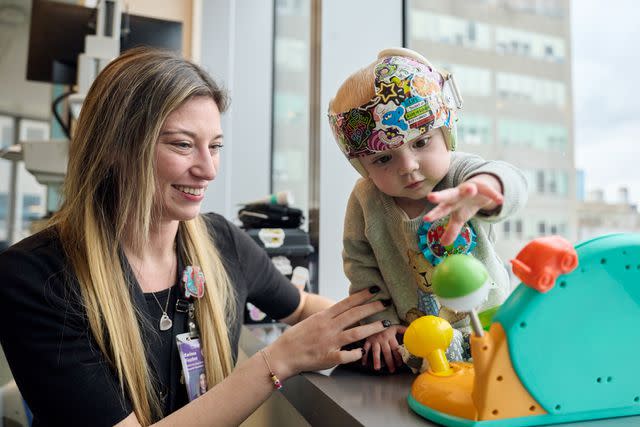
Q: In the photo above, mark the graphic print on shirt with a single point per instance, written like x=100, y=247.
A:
x=427, y=303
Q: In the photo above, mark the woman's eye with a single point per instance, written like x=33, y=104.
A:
x=215, y=147
x=184, y=145
x=382, y=160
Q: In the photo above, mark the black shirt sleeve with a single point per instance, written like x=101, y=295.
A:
x=255, y=278
x=45, y=335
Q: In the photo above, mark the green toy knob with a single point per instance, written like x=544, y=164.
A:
x=461, y=283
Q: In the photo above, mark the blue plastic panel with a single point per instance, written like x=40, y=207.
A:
x=576, y=347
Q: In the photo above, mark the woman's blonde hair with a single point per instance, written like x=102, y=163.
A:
x=359, y=87
x=108, y=200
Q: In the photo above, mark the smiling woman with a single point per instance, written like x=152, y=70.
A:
x=129, y=270
x=188, y=156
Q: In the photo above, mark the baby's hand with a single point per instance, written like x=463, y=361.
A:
x=386, y=342
x=463, y=202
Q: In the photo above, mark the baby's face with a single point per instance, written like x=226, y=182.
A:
x=411, y=170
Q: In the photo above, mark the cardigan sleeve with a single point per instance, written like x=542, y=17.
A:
x=360, y=264
x=514, y=185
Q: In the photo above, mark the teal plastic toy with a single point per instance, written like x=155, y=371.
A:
x=573, y=348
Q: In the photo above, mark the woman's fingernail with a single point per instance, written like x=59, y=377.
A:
x=374, y=289
x=386, y=323
x=386, y=302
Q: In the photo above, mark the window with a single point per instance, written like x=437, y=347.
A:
x=519, y=228
x=448, y=29
x=511, y=41
x=521, y=88
x=474, y=129
x=472, y=81
x=540, y=181
x=532, y=135
x=290, y=161
x=550, y=8
x=541, y=228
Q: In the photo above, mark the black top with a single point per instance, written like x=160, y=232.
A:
x=54, y=358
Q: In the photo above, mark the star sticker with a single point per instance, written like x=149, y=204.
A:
x=388, y=91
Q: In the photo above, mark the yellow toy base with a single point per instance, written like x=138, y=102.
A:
x=494, y=393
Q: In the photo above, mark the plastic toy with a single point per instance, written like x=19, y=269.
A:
x=562, y=354
x=428, y=337
x=461, y=283
x=540, y=262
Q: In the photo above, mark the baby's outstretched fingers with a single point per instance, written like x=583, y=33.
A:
x=490, y=192
x=453, y=229
x=440, y=211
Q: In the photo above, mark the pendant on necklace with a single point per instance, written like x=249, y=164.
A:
x=165, y=322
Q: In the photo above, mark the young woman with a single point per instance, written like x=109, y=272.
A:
x=93, y=305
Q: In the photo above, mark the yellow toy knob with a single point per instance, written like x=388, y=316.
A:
x=428, y=337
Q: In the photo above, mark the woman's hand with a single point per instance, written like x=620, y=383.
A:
x=482, y=192
x=315, y=343
x=384, y=342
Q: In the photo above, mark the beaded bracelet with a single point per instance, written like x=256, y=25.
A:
x=274, y=378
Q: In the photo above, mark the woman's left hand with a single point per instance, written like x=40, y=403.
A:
x=461, y=203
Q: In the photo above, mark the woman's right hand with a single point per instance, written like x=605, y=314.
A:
x=315, y=343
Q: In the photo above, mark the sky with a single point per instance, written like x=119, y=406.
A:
x=606, y=98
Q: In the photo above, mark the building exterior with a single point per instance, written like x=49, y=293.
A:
x=512, y=61
x=597, y=217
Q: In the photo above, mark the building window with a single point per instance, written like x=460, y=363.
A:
x=551, y=8
x=473, y=81
x=474, y=129
x=521, y=88
x=532, y=135
x=448, y=29
x=511, y=41
x=552, y=188
x=540, y=181
x=542, y=228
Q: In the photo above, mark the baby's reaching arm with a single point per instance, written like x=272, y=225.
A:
x=492, y=189
x=481, y=192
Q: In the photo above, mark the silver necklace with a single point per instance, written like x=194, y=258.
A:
x=165, y=321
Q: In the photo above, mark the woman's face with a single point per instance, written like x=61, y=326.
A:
x=187, y=158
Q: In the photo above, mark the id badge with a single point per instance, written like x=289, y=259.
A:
x=192, y=364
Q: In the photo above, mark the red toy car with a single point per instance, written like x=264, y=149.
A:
x=542, y=260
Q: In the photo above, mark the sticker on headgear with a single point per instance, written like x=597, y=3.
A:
x=408, y=102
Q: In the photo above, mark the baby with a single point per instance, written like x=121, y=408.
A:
x=418, y=200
